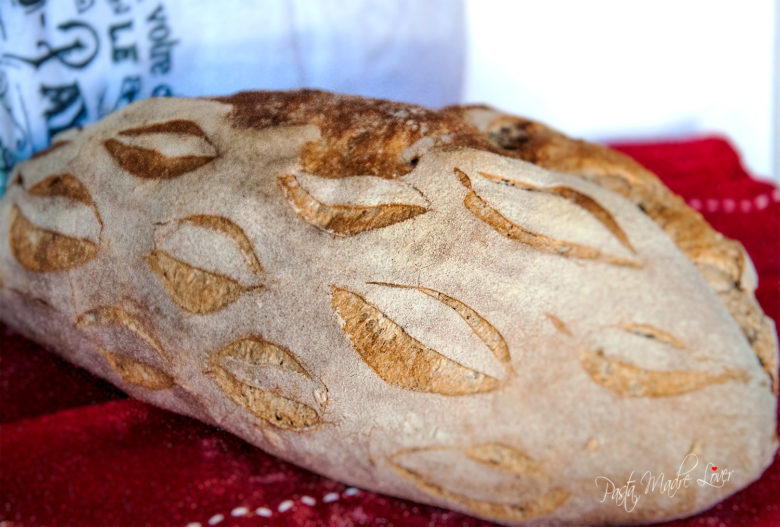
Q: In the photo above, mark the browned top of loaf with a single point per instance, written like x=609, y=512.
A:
x=361, y=136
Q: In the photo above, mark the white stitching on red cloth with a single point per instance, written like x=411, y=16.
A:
x=729, y=205
x=284, y=506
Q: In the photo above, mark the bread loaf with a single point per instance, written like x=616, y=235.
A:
x=458, y=307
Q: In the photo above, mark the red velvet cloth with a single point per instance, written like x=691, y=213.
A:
x=75, y=451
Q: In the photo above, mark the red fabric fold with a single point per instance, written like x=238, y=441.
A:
x=75, y=451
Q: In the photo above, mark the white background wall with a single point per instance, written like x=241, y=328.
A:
x=611, y=69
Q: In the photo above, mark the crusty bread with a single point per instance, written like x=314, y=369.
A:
x=458, y=307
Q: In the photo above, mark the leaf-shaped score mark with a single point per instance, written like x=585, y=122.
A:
x=63, y=185
x=116, y=316
x=138, y=373
x=45, y=251
x=398, y=358
x=578, y=198
x=194, y=290
x=494, y=462
x=197, y=290
x=231, y=230
x=343, y=220
x=267, y=403
x=66, y=186
x=130, y=369
x=150, y=163
x=482, y=210
x=478, y=324
x=629, y=380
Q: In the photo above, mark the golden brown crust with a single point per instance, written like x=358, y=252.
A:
x=44, y=251
x=359, y=136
